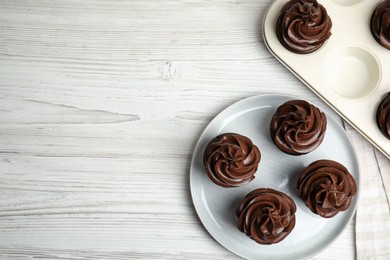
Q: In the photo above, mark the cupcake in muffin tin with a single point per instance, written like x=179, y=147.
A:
x=340, y=49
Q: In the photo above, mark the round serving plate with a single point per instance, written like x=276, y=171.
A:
x=216, y=205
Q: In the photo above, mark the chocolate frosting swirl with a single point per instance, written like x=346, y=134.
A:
x=383, y=116
x=298, y=127
x=326, y=187
x=303, y=26
x=380, y=24
x=266, y=215
x=231, y=160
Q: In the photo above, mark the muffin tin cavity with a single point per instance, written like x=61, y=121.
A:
x=346, y=2
x=348, y=71
x=352, y=71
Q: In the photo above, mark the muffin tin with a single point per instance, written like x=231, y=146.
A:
x=348, y=72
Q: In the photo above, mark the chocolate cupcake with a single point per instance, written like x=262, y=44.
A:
x=303, y=26
x=266, y=215
x=380, y=24
x=298, y=127
x=326, y=187
x=383, y=116
x=231, y=160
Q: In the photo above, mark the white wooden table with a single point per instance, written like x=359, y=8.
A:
x=101, y=104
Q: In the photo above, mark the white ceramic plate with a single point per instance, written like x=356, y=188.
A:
x=216, y=205
x=350, y=72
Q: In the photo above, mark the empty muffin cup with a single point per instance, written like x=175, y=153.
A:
x=352, y=71
x=347, y=2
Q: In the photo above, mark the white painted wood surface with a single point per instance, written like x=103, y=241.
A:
x=101, y=104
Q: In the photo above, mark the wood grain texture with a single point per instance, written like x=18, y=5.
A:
x=101, y=104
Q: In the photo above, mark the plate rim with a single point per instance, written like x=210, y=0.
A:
x=291, y=97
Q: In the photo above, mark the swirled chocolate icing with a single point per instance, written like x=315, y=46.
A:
x=326, y=187
x=380, y=24
x=298, y=127
x=383, y=116
x=266, y=215
x=303, y=26
x=231, y=160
